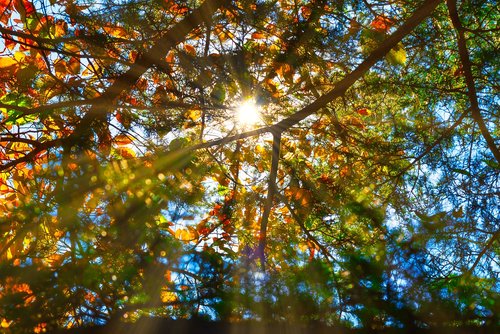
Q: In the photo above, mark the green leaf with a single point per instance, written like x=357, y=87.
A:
x=16, y=116
x=492, y=163
x=461, y=171
x=218, y=93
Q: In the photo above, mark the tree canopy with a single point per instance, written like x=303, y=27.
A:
x=334, y=162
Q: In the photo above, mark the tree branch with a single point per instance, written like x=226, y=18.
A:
x=271, y=190
x=32, y=154
x=483, y=251
x=343, y=85
x=469, y=79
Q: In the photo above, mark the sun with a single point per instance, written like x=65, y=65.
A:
x=247, y=114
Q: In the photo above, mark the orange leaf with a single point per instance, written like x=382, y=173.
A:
x=73, y=65
x=258, y=35
x=305, y=11
x=170, y=57
x=126, y=152
x=60, y=68
x=300, y=195
x=122, y=140
x=61, y=28
x=354, y=121
x=190, y=49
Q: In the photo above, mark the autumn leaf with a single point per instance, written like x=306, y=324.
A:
x=354, y=121
x=300, y=195
x=9, y=41
x=126, y=152
x=167, y=296
x=60, y=28
x=60, y=68
x=6, y=62
x=382, y=23
x=193, y=114
x=258, y=35
x=190, y=49
x=364, y=111
x=9, y=62
x=122, y=139
x=118, y=32
x=24, y=7
x=5, y=323
x=73, y=65
x=170, y=57
x=305, y=11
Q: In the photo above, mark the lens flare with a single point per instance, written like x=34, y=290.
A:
x=247, y=114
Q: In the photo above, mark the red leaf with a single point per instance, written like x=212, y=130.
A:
x=382, y=23
x=364, y=111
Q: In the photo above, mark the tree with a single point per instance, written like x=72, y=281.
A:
x=365, y=194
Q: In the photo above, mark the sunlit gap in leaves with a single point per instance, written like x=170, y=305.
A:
x=247, y=114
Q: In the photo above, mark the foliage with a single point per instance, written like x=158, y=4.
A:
x=367, y=193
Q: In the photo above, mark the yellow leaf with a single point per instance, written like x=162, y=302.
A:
x=73, y=48
x=167, y=296
x=193, y=114
x=6, y=62
x=225, y=35
x=60, y=29
x=259, y=149
x=116, y=31
x=5, y=323
x=397, y=55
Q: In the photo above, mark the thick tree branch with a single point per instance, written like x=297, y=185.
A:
x=341, y=87
x=98, y=112
x=271, y=190
x=469, y=79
